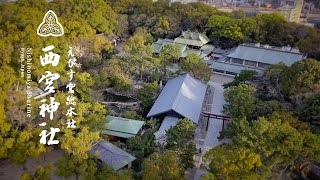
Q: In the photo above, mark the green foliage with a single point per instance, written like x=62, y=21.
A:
x=273, y=29
x=198, y=68
x=148, y=93
x=265, y=108
x=100, y=80
x=83, y=83
x=23, y=144
x=287, y=117
x=168, y=53
x=277, y=141
x=270, y=87
x=42, y=173
x=228, y=162
x=310, y=110
x=180, y=139
x=164, y=166
x=118, y=76
x=181, y=134
x=242, y=78
x=186, y=155
x=240, y=101
x=91, y=115
x=68, y=166
x=301, y=77
x=224, y=27
x=131, y=115
x=163, y=26
x=108, y=173
x=19, y=21
x=143, y=145
x=139, y=54
x=280, y=139
x=78, y=145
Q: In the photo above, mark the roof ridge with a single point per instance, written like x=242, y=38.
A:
x=270, y=49
x=178, y=93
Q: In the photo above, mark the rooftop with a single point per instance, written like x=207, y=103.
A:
x=167, y=123
x=192, y=38
x=266, y=54
x=111, y=155
x=183, y=95
x=122, y=127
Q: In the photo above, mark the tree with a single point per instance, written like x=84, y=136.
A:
x=108, y=173
x=23, y=144
x=181, y=134
x=310, y=110
x=301, y=77
x=78, y=145
x=162, y=27
x=148, y=93
x=139, y=54
x=277, y=141
x=198, y=68
x=270, y=87
x=141, y=147
x=223, y=28
x=168, y=53
x=240, y=101
x=131, y=115
x=42, y=173
x=265, y=108
x=228, y=162
x=164, y=166
x=84, y=82
x=68, y=166
x=117, y=76
x=77, y=160
x=242, y=78
x=280, y=140
x=180, y=139
x=93, y=50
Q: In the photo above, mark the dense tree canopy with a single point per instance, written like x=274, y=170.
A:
x=272, y=144
x=180, y=140
x=164, y=166
x=198, y=68
x=148, y=93
x=240, y=101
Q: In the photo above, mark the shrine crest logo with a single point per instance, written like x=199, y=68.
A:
x=50, y=26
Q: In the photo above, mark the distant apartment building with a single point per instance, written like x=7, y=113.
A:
x=296, y=11
x=255, y=57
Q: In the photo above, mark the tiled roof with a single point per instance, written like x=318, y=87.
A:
x=233, y=67
x=111, y=155
x=183, y=95
x=265, y=55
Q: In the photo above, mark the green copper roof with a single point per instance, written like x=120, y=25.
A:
x=207, y=48
x=122, y=127
x=157, y=46
x=188, y=41
x=192, y=38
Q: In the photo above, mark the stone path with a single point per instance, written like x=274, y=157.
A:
x=215, y=126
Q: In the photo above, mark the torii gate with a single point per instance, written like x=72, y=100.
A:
x=216, y=116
